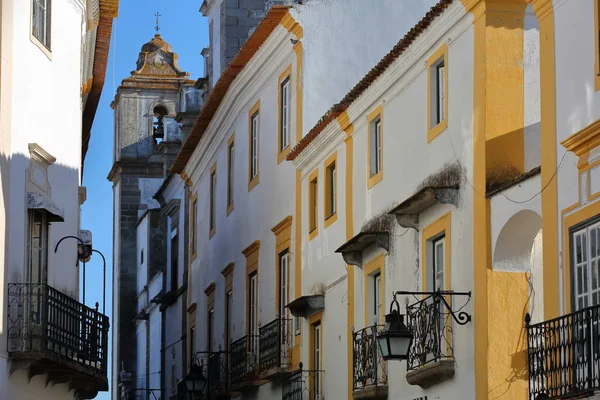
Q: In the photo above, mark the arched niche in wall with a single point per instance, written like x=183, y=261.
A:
x=519, y=249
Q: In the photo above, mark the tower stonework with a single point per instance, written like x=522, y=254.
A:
x=229, y=24
x=146, y=140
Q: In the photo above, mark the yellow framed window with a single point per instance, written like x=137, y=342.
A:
x=375, y=147
x=437, y=92
x=330, y=168
x=313, y=204
x=193, y=225
x=230, y=173
x=213, y=202
x=253, y=147
x=284, y=114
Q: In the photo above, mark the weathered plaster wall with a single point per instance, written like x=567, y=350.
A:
x=341, y=45
x=36, y=88
x=407, y=160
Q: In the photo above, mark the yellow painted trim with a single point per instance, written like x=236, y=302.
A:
x=299, y=94
x=252, y=255
x=186, y=179
x=87, y=86
x=296, y=357
x=585, y=213
x=377, y=264
x=375, y=179
x=481, y=220
x=596, y=44
x=590, y=196
x=227, y=271
x=289, y=23
x=213, y=229
x=439, y=226
x=193, y=225
x=282, y=153
x=252, y=182
x=544, y=11
x=330, y=218
x=583, y=141
x=435, y=131
x=313, y=204
x=283, y=239
x=210, y=289
x=348, y=128
x=230, y=175
x=316, y=319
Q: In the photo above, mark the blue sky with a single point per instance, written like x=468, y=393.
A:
x=186, y=30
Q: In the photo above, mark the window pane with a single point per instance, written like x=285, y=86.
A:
x=285, y=114
x=373, y=150
x=440, y=92
x=230, y=176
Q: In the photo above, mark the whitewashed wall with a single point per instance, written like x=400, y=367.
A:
x=577, y=103
x=42, y=97
x=407, y=160
x=342, y=44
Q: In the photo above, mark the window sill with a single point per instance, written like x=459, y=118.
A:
x=330, y=220
x=253, y=182
x=437, y=130
x=313, y=234
x=283, y=154
x=41, y=46
x=229, y=209
x=375, y=179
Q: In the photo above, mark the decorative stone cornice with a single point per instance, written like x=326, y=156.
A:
x=252, y=248
x=210, y=289
x=227, y=270
x=583, y=141
x=37, y=153
x=285, y=223
x=289, y=23
x=542, y=8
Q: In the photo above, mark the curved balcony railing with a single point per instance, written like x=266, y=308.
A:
x=244, y=359
x=43, y=321
x=564, y=355
x=369, y=368
x=275, y=344
x=303, y=385
x=432, y=333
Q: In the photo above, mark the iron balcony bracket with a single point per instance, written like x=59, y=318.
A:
x=461, y=317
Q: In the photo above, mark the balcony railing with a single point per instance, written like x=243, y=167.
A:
x=431, y=327
x=564, y=355
x=244, y=359
x=303, y=385
x=275, y=344
x=214, y=368
x=369, y=367
x=43, y=322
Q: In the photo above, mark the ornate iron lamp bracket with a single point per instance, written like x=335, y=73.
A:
x=461, y=317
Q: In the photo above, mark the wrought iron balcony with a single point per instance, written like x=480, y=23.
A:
x=54, y=334
x=564, y=355
x=275, y=346
x=431, y=357
x=214, y=367
x=244, y=362
x=303, y=385
x=369, y=368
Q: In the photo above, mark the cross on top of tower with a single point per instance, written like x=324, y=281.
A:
x=157, y=27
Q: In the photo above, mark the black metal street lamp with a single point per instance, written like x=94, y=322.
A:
x=396, y=338
x=195, y=381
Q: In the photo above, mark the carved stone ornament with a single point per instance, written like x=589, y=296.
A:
x=158, y=59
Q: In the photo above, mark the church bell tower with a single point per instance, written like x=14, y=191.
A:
x=146, y=141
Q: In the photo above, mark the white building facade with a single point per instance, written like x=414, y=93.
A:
x=53, y=64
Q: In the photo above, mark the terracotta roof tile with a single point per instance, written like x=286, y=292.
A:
x=237, y=64
x=370, y=77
